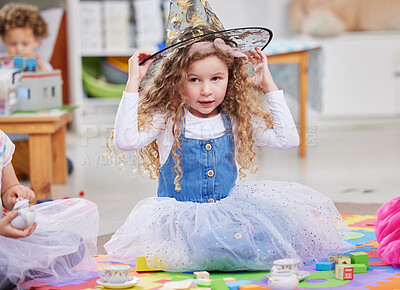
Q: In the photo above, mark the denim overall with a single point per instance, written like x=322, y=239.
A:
x=208, y=166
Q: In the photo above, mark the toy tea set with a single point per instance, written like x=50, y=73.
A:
x=284, y=275
x=23, y=87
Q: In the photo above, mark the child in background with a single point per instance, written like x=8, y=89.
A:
x=200, y=112
x=57, y=247
x=21, y=30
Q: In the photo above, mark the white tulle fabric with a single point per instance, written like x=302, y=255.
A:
x=60, y=249
x=256, y=224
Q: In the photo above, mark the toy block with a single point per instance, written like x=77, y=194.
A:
x=235, y=285
x=229, y=279
x=344, y=260
x=201, y=275
x=141, y=265
x=344, y=272
x=218, y=284
x=359, y=258
x=325, y=266
x=250, y=287
x=333, y=257
x=179, y=285
x=204, y=284
x=19, y=63
x=359, y=268
x=30, y=64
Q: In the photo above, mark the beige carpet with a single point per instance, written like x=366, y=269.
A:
x=343, y=208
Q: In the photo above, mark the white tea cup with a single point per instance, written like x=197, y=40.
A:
x=283, y=280
x=26, y=216
x=286, y=264
x=115, y=274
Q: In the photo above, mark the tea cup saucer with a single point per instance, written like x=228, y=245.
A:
x=128, y=284
x=303, y=274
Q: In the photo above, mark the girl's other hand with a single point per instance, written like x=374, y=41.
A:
x=9, y=231
x=136, y=71
x=262, y=76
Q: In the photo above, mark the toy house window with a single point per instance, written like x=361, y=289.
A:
x=53, y=91
x=24, y=93
x=45, y=92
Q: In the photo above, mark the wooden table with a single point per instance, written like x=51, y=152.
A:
x=47, y=149
x=295, y=54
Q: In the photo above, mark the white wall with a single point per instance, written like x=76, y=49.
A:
x=267, y=13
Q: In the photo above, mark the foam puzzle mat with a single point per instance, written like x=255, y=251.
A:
x=379, y=275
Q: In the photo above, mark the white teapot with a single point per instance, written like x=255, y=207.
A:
x=26, y=216
x=282, y=279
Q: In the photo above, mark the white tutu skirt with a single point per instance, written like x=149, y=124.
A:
x=256, y=224
x=60, y=249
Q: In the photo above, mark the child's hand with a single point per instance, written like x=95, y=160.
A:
x=262, y=78
x=136, y=72
x=40, y=63
x=9, y=197
x=9, y=231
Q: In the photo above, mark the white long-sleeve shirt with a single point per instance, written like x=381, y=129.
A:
x=282, y=136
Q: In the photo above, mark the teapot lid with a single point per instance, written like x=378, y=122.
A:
x=21, y=204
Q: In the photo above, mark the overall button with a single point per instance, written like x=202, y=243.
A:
x=208, y=146
x=210, y=173
x=211, y=200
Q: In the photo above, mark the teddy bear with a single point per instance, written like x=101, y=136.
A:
x=325, y=18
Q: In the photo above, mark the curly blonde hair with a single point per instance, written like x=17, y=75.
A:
x=22, y=16
x=163, y=92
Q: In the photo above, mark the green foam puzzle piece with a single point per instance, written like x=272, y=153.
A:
x=353, y=236
x=204, y=284
x=328, y=276
x=249, y=275
x=218, y=284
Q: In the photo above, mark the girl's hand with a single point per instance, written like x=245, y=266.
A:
x=9, y=231
x=262, y=76
x=136, y=72
x=9, y=197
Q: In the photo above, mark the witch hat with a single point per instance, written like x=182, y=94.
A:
x=191, y=21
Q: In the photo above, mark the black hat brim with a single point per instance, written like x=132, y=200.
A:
x=247, y=38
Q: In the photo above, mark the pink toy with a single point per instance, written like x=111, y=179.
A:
x=387, y=231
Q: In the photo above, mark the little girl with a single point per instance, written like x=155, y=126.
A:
x=57, y=247
x=200, y=113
